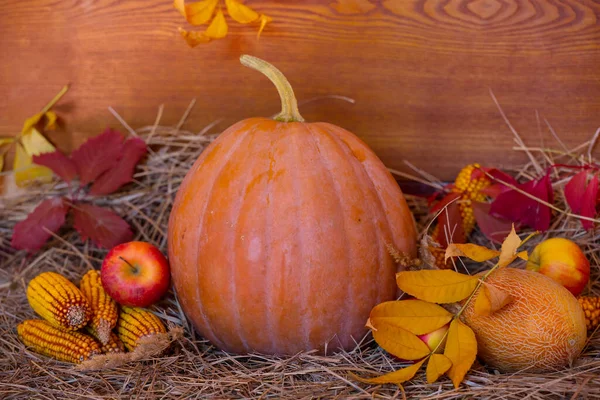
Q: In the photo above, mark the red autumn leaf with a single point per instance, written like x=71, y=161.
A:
x=581, y=196
x=97, y=155
x=59, y=163
x=450, y=226
x=517, y=207
x=493, y=228
x=122, y=173
x=101, y=225
x=31, y=234
x=447, y=199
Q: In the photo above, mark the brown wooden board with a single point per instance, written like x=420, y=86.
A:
x=420, y=71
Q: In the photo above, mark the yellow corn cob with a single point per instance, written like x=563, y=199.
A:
x=104, y=308
x=114, y=345
x=135, y=323
x=61, y=344
x=58, y=301
x=469, y=190
x=591, y=309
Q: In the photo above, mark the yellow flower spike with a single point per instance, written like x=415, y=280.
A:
x=218, y=27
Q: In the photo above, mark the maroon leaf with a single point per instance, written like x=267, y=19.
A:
x=450, y=226
x=122, y=172
x=495, y=229
x=31, y=233
x=60, y=164
x=101, y=225
x=97, y=155
x=581, y=196
x=449, y=198
x=517, y=207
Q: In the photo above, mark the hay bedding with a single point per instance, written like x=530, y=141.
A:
x=192, y=368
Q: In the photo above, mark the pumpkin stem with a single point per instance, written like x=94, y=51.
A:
x=289, y=105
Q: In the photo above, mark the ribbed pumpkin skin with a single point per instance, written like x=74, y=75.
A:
x=543, y=329
x=277, y=238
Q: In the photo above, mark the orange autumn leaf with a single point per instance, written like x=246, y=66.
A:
x=397, y=377
x=193, y=39
x=508, y=251
x=416, y=316
x=461, y=350
x=437, y=366
x=472, y=251
x=439, y=286
x=490, y=299
x=197, y=13
x=397, y=341
x=218, y=27
x=240, y=12
x=264, y=20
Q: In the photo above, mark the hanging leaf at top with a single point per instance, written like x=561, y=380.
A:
x=581, y=196
x=440, y=286
x=397, y=377
x=416, y=316
x=520, y=208
x=461, y=350
x=201, y=12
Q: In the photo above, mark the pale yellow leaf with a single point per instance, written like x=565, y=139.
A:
x=31, y=122
x=51, y=120
x=436, y=286
x=461, y=349
x=470, y=250
x=416, y=316
x=437, y=366
x=264, y=20
x=35, y=143
x=508, y=252
x=193, y=39
x=218, y=27
x=199, y=12
x=241, y=13
x=491, y=299
x=397, y=377
x=26, y=172
x=397, y=341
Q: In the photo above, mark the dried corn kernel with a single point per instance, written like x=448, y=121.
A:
x=135, y=323
x=104, y=308
x=61, y=344
x=114, y=345
x=591, y=309
x=58, y=301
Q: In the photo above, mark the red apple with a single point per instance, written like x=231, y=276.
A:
x=562, y=260
x=433, y=339
x=135, y=274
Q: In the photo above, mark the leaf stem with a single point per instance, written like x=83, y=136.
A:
x=289, y=105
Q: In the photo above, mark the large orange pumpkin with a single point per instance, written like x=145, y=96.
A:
x=278, y=234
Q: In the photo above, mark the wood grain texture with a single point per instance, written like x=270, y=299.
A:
x=420, y=71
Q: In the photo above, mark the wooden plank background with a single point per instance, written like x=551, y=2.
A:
x=420, y=71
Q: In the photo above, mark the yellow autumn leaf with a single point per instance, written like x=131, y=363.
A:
x=472, y=251
x=398, y=341
x=523, y=255
x=241, y=13
x=197, y=13
x=27, y=172
x=416, y=316
x=437, y=366
x=490, y=299
x=51, y=122
x=439, y=286
x=193, y=39
x=218, y=27
x=397, y=377
x=508, y=251
x=461, y=350
x=264, y=20
x=35, y=143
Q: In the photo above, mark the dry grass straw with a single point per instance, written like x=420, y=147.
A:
x=192, y=368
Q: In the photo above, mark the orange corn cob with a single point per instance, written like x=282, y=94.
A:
x=469, y=190
x=591, y=309
x=135, y=323
x=104, y=308
x=58, y=301
x=44, y=338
